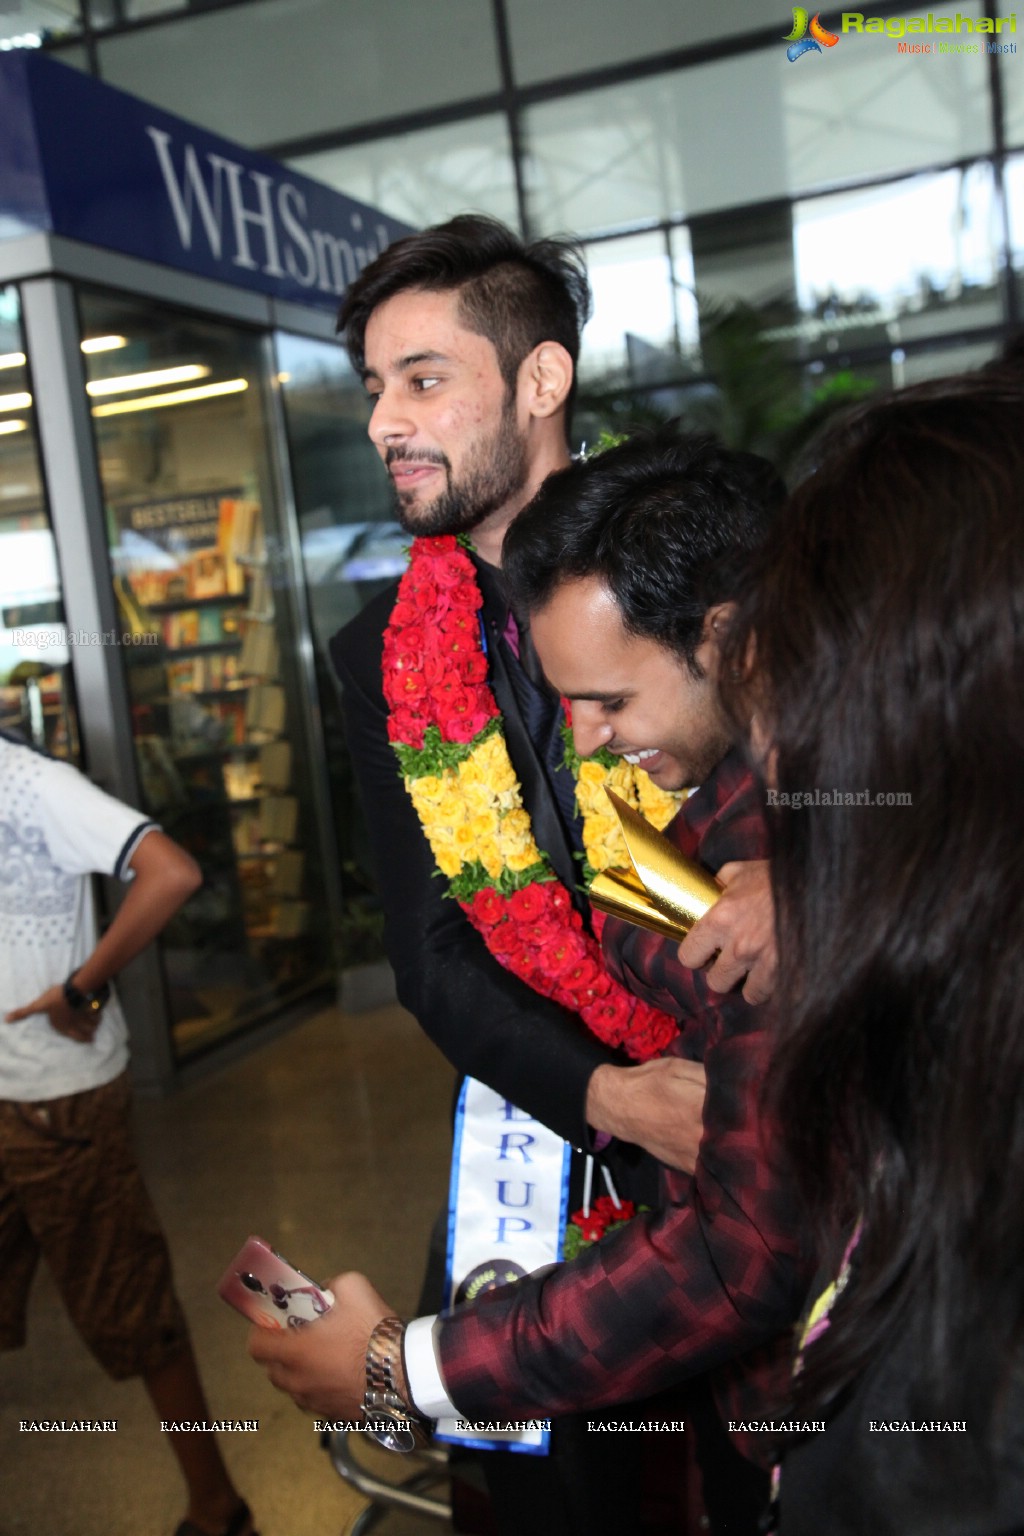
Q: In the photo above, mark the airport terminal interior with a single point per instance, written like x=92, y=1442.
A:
x=767, y=235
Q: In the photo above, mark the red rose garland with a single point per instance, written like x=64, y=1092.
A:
x=446, y=728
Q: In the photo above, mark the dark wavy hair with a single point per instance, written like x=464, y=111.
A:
x=666, y=519
x=514, y=294
x=882, y=640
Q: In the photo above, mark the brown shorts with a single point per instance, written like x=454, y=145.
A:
x=71, y=1190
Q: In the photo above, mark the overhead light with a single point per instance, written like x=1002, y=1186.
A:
x=12, y=359
x=104, y=343
x=176, y=397
x=7, y=427
x=126, y=381
x=15, y=402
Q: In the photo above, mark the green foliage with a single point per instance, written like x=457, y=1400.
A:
x=437, y=754
x=474, y=877
x=747, y=387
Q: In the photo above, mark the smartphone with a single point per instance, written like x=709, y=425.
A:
x=269, y=1291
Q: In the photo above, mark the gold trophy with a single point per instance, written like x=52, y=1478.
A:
x=662, y=890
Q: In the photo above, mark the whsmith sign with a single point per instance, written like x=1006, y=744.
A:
x=81, y=159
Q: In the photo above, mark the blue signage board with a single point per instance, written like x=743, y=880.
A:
x=82, y=159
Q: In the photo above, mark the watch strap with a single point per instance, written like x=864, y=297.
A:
x=82, y=1001
x=383, y=1396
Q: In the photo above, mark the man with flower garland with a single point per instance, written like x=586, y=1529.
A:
x=467, y=342
x=624, y=567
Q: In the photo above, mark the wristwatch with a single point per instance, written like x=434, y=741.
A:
x=88, y=1003
x=391, y=1421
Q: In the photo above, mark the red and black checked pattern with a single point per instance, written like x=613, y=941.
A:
x=717, y=1276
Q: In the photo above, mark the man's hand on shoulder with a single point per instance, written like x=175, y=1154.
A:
x=738, y=934
x=658, y=1106
x=322, y=1365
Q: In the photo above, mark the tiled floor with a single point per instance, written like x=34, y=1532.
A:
x=332, y=1143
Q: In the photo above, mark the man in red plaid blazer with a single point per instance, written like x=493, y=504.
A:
x=625, y=613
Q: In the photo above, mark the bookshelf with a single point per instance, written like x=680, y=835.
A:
x=214, y=733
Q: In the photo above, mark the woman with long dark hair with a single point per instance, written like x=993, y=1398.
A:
x=881, y=649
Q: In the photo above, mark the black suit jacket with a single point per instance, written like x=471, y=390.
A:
x=488, y=1023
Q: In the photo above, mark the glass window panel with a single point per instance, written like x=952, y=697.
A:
x=197, y=557
x=938, y=362
x=1013, y=183
x=351, y=549
x=29, y=23
x=1011, y=73
x=36, y=694
x=901, y=261
x=73, y=54
x=139, y=10
x=591, y=33
x=744, y=254
x=752, y=128
x=870, y=111
x=604, y=159
x=426, y=177
x=636, y=330
x=900, y=368
x=104, y=13
x=281, y=70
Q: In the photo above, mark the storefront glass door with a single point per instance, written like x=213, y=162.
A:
x=352, y=548
x=200, y=573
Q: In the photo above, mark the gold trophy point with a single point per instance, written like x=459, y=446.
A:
x=663, y=890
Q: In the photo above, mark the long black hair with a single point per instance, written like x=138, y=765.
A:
x=882, y=643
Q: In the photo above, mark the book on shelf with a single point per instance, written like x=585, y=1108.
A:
x=288, y=871
x=279, y=818
x=241, y=780
x=259, y=654
x=211, y=627
x=261, y=600
x=245, y=833
x=207, y=573
x=181, y=629
x=275, y=765
x=181, y=675
x=265, y=710
x=245, y=541
x=203, y=674
x=290, y=919
x=157, y=586
x=239, y=539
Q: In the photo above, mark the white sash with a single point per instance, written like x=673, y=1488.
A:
x=507, y=1206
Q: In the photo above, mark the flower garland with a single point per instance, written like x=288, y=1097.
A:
x=585, y=1228
x=447, y=731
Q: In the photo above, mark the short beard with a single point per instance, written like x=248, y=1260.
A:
x=496, y=471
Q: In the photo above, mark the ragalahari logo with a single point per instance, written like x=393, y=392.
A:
x=800, y=43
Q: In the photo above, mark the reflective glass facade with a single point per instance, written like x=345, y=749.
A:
x=864, y=201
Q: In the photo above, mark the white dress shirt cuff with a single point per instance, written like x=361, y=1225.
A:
x=422, y=1372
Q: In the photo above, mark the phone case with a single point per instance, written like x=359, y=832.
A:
x=270, y=1291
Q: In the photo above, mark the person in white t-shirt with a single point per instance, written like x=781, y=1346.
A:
x=70, y=1188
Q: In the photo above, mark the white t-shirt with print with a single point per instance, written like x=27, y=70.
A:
x=56, y=830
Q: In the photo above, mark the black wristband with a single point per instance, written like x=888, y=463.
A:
x=85, y=1002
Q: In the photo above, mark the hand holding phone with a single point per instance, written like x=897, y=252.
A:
x=269, y=1291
